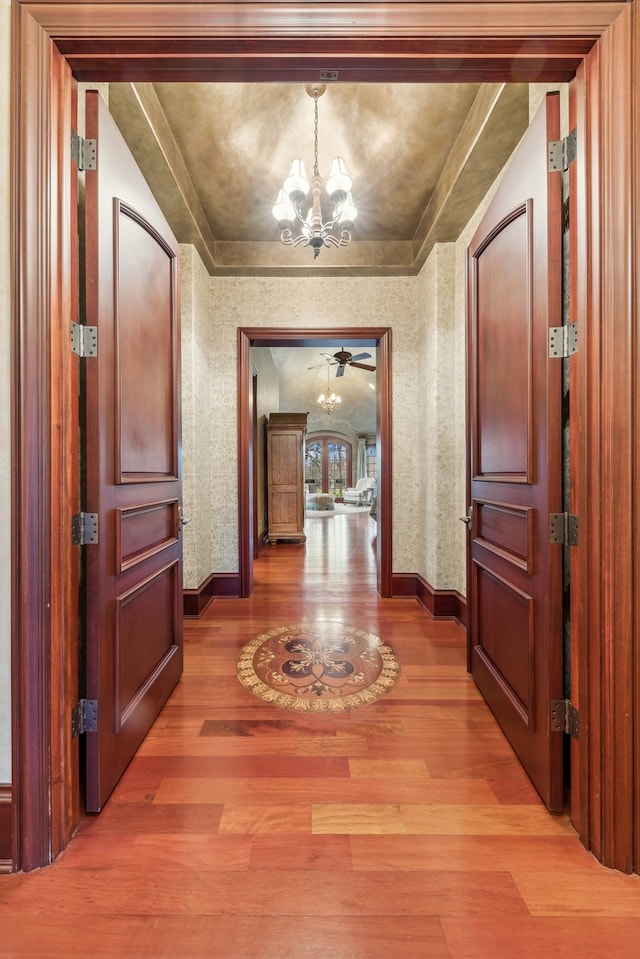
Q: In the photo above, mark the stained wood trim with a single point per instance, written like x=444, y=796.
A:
x=610, y=428
x=605, y=613
x=6, y=828
x=64, y=366
x=579, y=471
x=281, y=18
x=197, y=600
x=440, y=603
x=261, y=41
x=44, y=449
x=635, y=413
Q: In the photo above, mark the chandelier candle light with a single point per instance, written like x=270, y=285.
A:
x=329, y=401
x=288, y=208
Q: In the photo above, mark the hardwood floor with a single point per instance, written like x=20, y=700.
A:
x=405, y=828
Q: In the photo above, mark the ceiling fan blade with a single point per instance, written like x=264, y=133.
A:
x=340, y=370
x=321, y=366
x=359, y=356
x=362, y=366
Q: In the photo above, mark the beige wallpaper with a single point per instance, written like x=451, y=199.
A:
x=443, y=545
x=428, y=477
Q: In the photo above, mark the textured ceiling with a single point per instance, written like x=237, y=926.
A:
x=302, y=373
x=421, y=157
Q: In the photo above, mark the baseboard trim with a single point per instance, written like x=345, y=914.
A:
x=6, y=829
x=439, y=603
x=196, y=601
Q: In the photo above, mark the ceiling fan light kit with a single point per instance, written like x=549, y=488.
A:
x=288, y=208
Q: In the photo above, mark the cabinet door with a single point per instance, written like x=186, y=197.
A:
x=286, y=483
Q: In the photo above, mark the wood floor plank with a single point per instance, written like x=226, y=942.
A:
x=391, y=769
x=316, y=852
x=296, y=893
x=231, y=937
x=319, y=790
x=482, y=853
x=247, y=767
x=242, y=819
x=593, y=894
x=586, y=938
x=163, y=850
x=421, y=819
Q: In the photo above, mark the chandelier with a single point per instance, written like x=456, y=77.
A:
x=288, y=209
x=328, y=401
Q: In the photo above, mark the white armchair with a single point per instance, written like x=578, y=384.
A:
x=361, y=493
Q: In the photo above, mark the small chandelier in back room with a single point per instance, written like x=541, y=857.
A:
x=329, y=401
x=289, y=205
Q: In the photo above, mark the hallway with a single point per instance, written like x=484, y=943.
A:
x=404, y=828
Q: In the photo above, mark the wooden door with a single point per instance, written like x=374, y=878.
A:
x=515, y=455
x=132, y=457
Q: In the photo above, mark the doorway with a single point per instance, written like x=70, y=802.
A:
x=50, y=48
x=380, y=338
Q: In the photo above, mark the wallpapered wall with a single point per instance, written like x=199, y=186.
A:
x=427, y=360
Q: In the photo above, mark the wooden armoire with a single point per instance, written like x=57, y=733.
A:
x=285, y=477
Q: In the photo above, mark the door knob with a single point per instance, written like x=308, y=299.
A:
x=468, y=519
x=182, y=519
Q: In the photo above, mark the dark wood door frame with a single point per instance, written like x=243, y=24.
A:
x=94, y=40
x=351, y=336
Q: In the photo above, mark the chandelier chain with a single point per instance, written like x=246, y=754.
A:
x=316, y=170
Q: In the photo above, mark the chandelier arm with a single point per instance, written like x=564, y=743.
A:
x=343, y=240
x=289, y=239
x=298, y=211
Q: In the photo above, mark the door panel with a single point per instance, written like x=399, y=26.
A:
x=131, y=458
x=515, y=449
x=502, y=323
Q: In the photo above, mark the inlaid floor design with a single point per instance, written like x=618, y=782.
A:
x=321, y=667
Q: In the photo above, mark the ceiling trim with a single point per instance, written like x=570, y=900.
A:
x=421, y=42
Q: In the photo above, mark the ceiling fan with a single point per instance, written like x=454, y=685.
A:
x=343, y=358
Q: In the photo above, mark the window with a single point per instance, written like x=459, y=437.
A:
x=371, y=459
x=327, y=467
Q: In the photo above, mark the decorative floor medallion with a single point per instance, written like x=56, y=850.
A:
x=321, y=667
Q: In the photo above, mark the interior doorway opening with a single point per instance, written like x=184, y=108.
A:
x=49, y=49
x=380, y=338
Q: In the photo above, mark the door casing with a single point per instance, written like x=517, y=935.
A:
x=598, y=44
